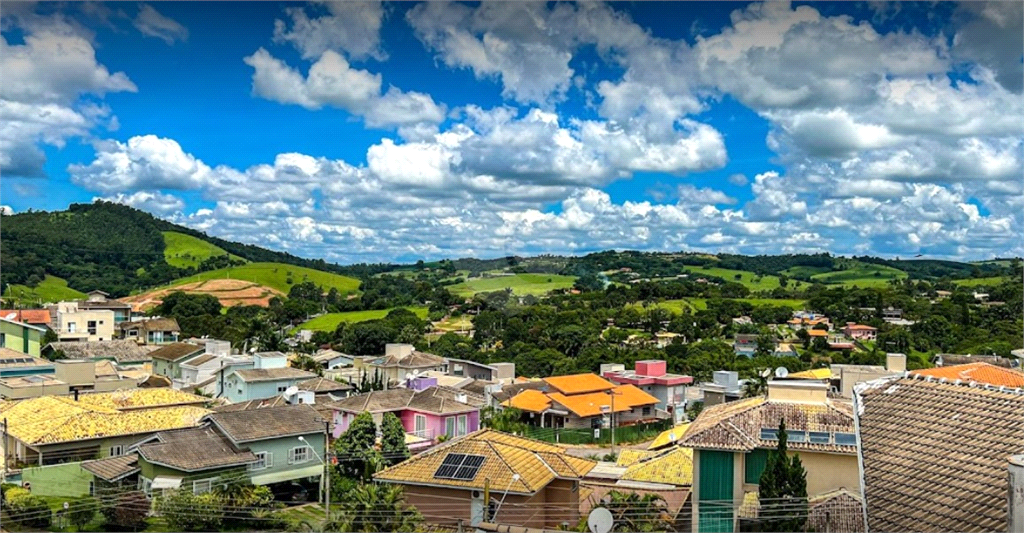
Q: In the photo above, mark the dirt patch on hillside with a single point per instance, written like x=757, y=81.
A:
x=229, y=292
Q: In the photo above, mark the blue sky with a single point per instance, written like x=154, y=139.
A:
x=360, y=131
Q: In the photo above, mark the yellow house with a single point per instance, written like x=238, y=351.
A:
x=731, y=442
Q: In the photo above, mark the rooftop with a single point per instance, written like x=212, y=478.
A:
x=13, y=359
x=977, y=372
x=323, y=385
x=579, y=383
x=122, y=351
x=492, y=456
x=669, y=436
x=153, y=324
x=194, y=449
x=934, y=454
x=113, y=468
x=33, y=317
x=815, y=373
x=255, y=375
x=25, y=382
x=440, y=400
x=176, y=351
x=585, y=405
x=268, y=423
x=416, y=359
x=673, y=466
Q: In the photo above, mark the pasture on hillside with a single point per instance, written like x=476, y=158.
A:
x=861, y=275
x=749, y=279
x=185, y=251
x=330, y=321
x=51, y=290
x=277, y=276
x=521, y=284
x=700, y=304
x=978, y=282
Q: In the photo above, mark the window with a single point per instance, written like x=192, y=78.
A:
x=72, y=327
x=798, y=436
x=92, y=489
x=282, y=389
x=146, y=485
x=299, y=455
x=819, y=437
x=849, y=439
x=202, y=486
x=647, y=411
x=421, y=425
x=769, y=434
x=3, y=340
x=263, y=460
x=92, y=327
x=463, y=424
x=449, y=426
x=116, y=450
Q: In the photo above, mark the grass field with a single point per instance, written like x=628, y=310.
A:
x=700, y=304
x=807, y=271
x=185, y=251
x=861, y=275
x=751, y=280
x=276, y=276
x=521, y=284
x=330, y=321
x=312, y=514
x=978, y=282
x=51, y=290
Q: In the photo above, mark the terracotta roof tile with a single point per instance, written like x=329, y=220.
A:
x=195, y=449
x=113, y=468
x=270, y=422
x=979, y=372
x=934, y=454
x=672, y=467
x=175, y=351
x=579, y=383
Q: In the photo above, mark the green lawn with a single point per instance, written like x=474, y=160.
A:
x=185, y=251
x=330, y=321
x=51, y=290
x=277, y=276
x=977, y=282
x=861, y=275
x=700, y=304
x=751, y=280
x=521, y=284
x=807, y=271
x=312, y=514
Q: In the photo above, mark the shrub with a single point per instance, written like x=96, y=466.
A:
x=81, y=511
x=185, y=511
x=126, y=512
x=28, y=510
x=3, y=490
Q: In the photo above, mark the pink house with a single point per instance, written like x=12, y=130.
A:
x=652, y=377
x=425, y=414
x=859, y=331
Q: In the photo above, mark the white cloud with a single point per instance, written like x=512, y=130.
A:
x=150, y=22
x=154, y=202
x=992, y=33
x=689, y=194
x=351, y=26
x=738, y=180
x=146, y=162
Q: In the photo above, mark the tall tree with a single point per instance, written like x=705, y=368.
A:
x=356, y=452
x=782, y=489
x=392, y=440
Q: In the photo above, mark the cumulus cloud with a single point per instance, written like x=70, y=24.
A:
x=349, y=26
x=150, y=22
x=153, y=202
x=146, y=162
x=992, y=33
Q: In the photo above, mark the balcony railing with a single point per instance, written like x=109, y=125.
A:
x=423, y=433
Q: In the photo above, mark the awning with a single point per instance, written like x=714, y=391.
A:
x=315, y=470
x=165, y=482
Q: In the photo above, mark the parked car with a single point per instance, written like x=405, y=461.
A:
x=290, y=492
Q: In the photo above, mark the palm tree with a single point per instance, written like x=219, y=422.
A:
x=757, y=385
x=373, y=508
x=632, y=512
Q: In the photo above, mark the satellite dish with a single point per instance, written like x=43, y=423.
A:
x=600, y=520
x=291, y=391
x=781, y=372
x=11, y=316
x=766, y=372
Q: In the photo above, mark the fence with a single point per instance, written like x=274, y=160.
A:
x=623, y=435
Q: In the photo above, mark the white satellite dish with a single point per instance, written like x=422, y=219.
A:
x=291, y=391
x=766, y=372
x=11, y=316
x=600, y=520
x=781, y=372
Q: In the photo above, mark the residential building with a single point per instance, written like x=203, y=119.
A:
x=20, y=337
x=33, y=317
x=536, y=483
x=265, y=446
x=99, y=300
x=946, y=359
x=983, y=373
x=934, y=453
x=78, y=324
x=807, y=320
x=584, y=401
x=652, y=376
x=325, y=389
x=745, y=344
x=33, y=386
x=668, y=474
x=426, y=414
x=150, y=330
x=724, y=387
x=742, y=321
x=167, y=360
x=17, y=364
x=497, y=372
x=83, y=375
x=116, y=473
x=55, y=429
x=859, y=332
x=331, y=359
x=254, y=383
x=731, y=442
x=124, y=353
x=402, y=359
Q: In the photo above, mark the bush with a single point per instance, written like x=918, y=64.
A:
x=81, y=511
x=3, y=490
x=126, y=512
x=185, y=511
x=28, y=510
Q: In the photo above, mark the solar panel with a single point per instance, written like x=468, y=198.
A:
x=459, y=466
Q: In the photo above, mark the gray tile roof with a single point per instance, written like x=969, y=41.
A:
x=122, y=351
x=323, y=385
x=439, y=400
x=416, y=359
x=176, y=351
x=273, y=374
x=194, y=449
x=113, y=468
x=268, y=423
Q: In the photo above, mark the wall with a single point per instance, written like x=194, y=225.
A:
x=256, y=391
x=104, y=325
x=280, y=448
x=34, y=391
x=20, y=338
x=67, y=480
x=827, y=472
x=447, y=506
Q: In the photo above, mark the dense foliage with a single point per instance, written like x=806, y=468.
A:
x=782, y=489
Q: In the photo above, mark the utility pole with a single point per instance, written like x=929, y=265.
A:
x=327, y=470
x=611, y=416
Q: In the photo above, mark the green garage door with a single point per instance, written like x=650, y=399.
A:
x=716, y=484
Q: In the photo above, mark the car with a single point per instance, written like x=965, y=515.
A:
x=290, y=492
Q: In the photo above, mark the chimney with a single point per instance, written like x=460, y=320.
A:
x=896, y=362
x=1016, y=495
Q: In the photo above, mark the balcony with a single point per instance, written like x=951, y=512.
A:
x=427, y=434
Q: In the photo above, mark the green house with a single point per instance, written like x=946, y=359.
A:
x=20, y=337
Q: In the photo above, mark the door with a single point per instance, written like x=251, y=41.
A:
x=715, y=492
x=421, y=426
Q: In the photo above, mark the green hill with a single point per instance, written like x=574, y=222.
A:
x=860, y=275
x=51, y=290
x=277, y=276
x=751, y=280
x=185, y=251
x=521, y=284
x=330, y=321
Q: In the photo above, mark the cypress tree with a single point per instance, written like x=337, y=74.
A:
x=782, y=489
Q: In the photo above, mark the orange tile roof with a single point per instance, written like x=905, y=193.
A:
x=530, y=400
x=33, y=316
x=979, y=372
x=579, y=383
x=633, y=396
x=585, y=405
x=860, y=327
x=817, y=333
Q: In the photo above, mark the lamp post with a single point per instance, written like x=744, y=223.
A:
x=611, y=416
x=515, y=477
x=326, y=474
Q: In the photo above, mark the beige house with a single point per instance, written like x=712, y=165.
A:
x=731, y=443
x=402, y=360
x=76, y=324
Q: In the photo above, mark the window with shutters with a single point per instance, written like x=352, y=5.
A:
x=299, y=455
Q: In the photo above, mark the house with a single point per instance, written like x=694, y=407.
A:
x=124, y=353
x=401, y=359
x=83, y=375
x=167, y=359
x=984, y=373
x=859, y=332
x=201, y=454
x=56, y=429
x=331, y=359
x=843, y=378
x=150, y=331
x=497, y=372
x=666, y=473
x=668, y=437
x=79, y=324
x=493, y=476
x=664, y=338
x=943, y=294
x=584, y=401
x=15, y=364
x=731, y=442
x=426, y=414
x=32, y=386
x=745, y=344
x=652, y=376
x=33, y=317
x=101, y=301
x=724, y=387
x=785, y=349
x=117, y=473
x=946, y=359
x=255, y=383
x=806, y=320
x=20, y=337
x=934, y=453
x=742, y=321
x=816, y=333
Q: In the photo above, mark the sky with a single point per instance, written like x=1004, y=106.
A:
x=367, y=131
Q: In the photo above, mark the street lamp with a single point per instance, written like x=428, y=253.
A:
x=515, y=477
x=326, y=476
